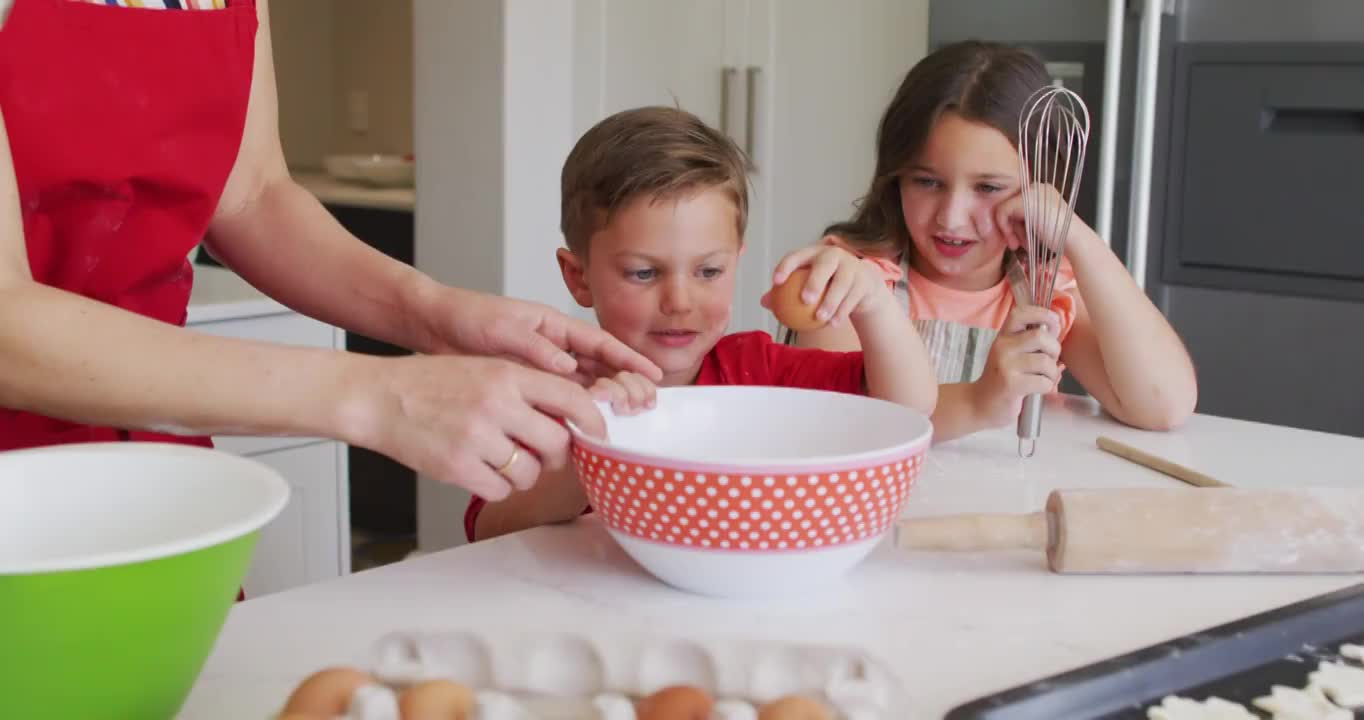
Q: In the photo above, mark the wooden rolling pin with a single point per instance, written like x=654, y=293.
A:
x=1168, y=530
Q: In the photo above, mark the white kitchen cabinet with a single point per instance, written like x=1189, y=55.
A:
x=310, y=540
x=629, y=53
x=799, y=84
x=303, y=545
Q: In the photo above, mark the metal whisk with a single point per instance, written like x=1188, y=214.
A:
x=1053, y=132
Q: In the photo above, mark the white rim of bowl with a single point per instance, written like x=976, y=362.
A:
x=869, y=457
x=277, y=495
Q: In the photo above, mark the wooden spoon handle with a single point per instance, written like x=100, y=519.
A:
x=1159, y=464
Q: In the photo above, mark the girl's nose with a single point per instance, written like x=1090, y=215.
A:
x=954, y=211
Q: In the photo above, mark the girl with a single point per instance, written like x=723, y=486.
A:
x=944, y=217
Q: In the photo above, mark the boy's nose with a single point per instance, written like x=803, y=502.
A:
x=676, y=298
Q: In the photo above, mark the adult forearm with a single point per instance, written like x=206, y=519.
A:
x=73, y=358
x=285, y=243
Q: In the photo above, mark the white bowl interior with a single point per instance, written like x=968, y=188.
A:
x=765, y=426
x=83, y=506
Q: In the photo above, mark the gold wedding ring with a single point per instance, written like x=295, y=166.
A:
x=516, y=453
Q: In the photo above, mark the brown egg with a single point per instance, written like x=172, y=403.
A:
x=679, y=702
x=436, y=700
x=795, y=707
x=326, y=692
x=790, y=309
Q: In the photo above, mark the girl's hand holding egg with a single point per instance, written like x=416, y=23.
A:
x=825, y=284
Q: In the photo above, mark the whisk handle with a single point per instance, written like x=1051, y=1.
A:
x=1029, y=424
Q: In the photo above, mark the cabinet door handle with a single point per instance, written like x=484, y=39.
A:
x=750, y=109
x=726, y=73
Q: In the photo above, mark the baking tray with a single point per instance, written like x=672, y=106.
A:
x=1238, y=661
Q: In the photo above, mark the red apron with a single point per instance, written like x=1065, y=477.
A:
x=124, y=124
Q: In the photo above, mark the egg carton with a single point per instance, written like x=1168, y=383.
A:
x=575, y=676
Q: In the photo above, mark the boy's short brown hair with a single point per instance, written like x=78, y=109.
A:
x=661, y=152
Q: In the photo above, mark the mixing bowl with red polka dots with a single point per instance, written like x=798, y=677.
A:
x=735, y=491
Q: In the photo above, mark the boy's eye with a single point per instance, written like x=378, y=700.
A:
x=989, y=188
x=710, y=273
x=643, y=275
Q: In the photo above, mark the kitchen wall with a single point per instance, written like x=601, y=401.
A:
x=344, y=75
x=494, y=101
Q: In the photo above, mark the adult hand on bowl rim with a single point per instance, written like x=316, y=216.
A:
x=486, y=424
x=463, y=321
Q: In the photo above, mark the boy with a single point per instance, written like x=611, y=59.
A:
x=654, y=207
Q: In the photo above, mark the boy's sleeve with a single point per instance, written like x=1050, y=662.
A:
x=814, y=369
x=476, y=504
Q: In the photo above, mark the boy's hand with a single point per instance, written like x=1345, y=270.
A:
x=1022, y=361
x=851, y=288
x=629, y=393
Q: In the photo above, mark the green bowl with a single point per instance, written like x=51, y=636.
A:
x=118, y=564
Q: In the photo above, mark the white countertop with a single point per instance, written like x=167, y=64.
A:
x=335, y=192
x=220, y=294
x=953, y=627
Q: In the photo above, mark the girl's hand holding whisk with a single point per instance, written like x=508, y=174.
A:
x=1024, y=359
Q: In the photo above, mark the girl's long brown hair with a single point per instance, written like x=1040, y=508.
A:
x=988, y=83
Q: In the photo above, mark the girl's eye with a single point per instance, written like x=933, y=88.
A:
x=925, y=182
x=710, y=273
x=644, y=275
x=988, y=188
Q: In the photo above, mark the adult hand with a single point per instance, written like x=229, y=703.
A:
x=485, y=424
x=532, y=333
